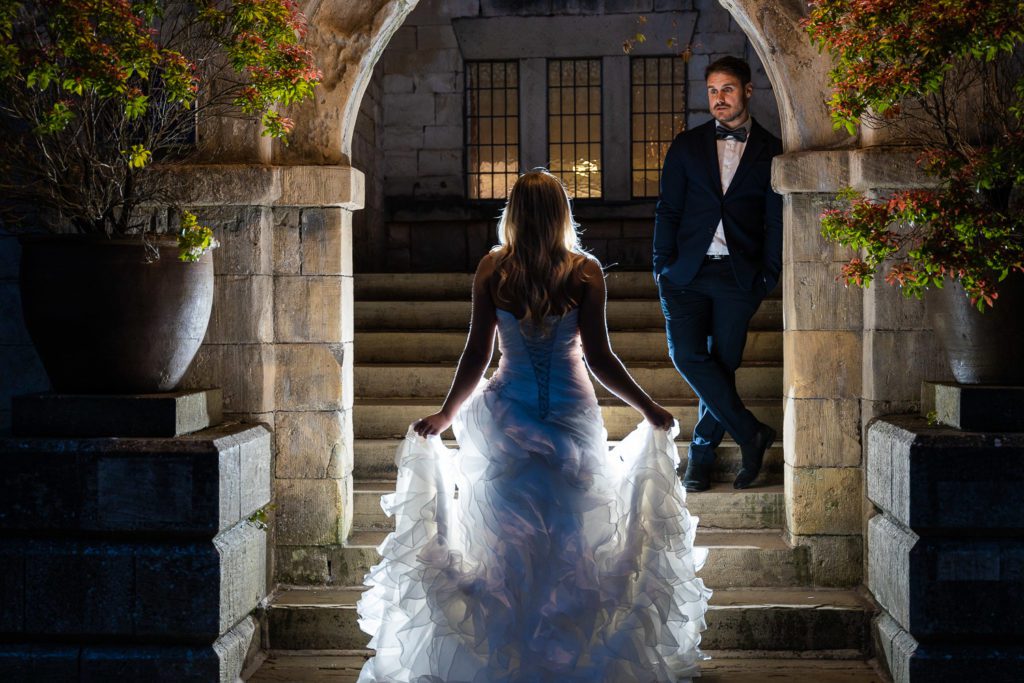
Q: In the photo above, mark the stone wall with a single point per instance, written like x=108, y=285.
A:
x=21, y=371
x=426, y=221
x=368, y=156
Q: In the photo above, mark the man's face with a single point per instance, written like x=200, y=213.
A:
x=727, y=98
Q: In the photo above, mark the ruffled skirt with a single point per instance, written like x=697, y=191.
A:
x=531, y=555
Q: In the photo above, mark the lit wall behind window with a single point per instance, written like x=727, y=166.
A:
x=574, y=125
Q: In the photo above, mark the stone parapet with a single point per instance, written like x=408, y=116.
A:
x=945, y=552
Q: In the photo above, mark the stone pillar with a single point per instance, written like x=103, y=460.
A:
x=280, y=341
x=130, y=557
x=822, y=375
x=944, y=555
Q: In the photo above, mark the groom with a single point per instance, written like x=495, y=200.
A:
x=717, y=254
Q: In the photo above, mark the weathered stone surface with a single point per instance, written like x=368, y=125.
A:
x=895, y=363
x=803, y=241
x=183, y=592
x=287, y=241
x=835, y=561
x=171, y=664
x=313, y=377
x=242, y=310
x=815, y=301
x=977, y=408
x=253, y=187
x=313, y=445
x=144, y=415
x=822, y=432
x=812, y=171
x=874, y=168
x=912, y=662
x=822, y=364
x=308, y=308
x=946, y=587
x=245, y=373
x=885, y=308
x=245, y=236
x=936, y=478
x=313, y=511
x=823, y=500
x=326, y=241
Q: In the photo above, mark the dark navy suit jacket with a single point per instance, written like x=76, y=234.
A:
x=691, y=204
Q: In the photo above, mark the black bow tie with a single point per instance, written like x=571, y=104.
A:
x=723, y=133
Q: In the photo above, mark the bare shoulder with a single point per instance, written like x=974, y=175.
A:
x=590, y=271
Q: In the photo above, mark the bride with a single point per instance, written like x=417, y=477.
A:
x=535, y=554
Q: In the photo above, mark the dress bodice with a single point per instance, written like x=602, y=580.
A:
x=543, y=367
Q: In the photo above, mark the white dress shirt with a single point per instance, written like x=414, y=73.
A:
x=730, y=151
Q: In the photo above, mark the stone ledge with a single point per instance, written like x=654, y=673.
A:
x=194, y=485
x=254, y=185
x=916, y=472
x=169, y=414
x=975, y=407
x=829, y=171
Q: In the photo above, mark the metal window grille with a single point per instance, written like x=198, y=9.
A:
x=574, y=125
x=658, y=87
x=492, y=128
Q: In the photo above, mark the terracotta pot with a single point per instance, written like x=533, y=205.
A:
x=103, y=320
x=982, y=348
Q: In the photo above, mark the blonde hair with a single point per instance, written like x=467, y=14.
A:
x=539, y=249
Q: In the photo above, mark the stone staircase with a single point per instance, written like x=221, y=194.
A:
x=410, y=330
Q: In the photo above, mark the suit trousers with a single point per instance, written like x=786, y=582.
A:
x=706, y=324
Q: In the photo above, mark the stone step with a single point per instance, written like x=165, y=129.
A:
x=623, y=314
x=722, y=507
x=288, y=666
x=379, y=418
x=457, y=286
x=375, y=459
x=743, y=619
x=423, y=380
x=735, y=558
x=429, y=346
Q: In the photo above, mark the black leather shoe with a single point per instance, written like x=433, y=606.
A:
x=753, y=456
x=697, y=477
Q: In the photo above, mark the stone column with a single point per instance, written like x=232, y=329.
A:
x=281, y=338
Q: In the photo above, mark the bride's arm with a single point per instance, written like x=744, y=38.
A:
x=597, y=348
x=476, y=356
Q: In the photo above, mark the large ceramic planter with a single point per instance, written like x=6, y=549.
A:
x=981, y=348
x=106, y=318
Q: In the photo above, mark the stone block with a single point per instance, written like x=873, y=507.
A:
x=242, y=310
x=439, y=83
x=909, y=661
x=400, y=163
x=191, y=486
x=313, y=511
x=946, y=587
x=814, y=171
x=402, y=137
x=896, y=362
x=815, y=301
x=915, y=470
x=307, y=308
x=403, y=40
x=439, y=162
x=822, y=364
x=314, y=445
x=287, y=254
x=977, y=408
x=436, y=37
x=803, y=241
x=889, y=168
x=835, y=561
x=720, y=44
x=885, y=308
x=443, y=138
x=169, y=414
x=397, y=83
x=311, y=376
x=823, y=500
x=449, y=110
x=245, y=373
x=435, y=187
x=503, y=8
x=325, y=185
x=822, y=432
x=246, y=239
x=326, y=242
x=400, y=109
x=34, y=662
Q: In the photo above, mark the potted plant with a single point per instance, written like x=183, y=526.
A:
x=947, y=78
x=92, y=94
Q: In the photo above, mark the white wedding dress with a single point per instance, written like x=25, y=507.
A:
x=532, y=554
